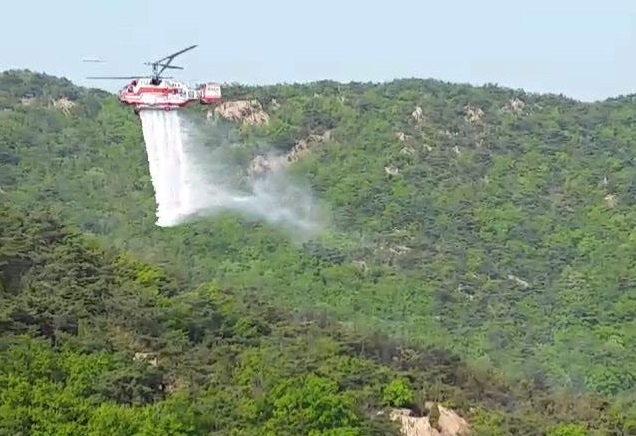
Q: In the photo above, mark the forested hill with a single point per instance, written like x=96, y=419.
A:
x=481, y=222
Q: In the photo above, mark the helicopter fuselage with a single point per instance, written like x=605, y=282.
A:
x=167, y=94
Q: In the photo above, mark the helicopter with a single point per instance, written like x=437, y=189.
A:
x=155, y=92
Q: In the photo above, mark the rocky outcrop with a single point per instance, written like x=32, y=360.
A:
x=63, y=104
x=418, y=114
x=403, y=136
x=391, y=170
x=242, y=111
x=262, y=164
x=448, y=423
x=515, y=106
x=150, y=358
x=611, y=201
x=302, y=147
x=473, y=114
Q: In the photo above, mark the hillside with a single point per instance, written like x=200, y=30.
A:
x=485, y=223
x=99, y=343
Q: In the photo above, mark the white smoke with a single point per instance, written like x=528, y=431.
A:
x=196, y=177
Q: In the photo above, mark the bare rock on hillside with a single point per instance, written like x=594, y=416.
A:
x=262, y=164
x=448, y=424
x=515, y=106
x=473, y=114
x=63, y=104
x=243, y=111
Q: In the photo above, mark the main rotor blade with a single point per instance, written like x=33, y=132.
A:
x=118, y=77
x=174, y=67
x=124, y=77
x=173, y=55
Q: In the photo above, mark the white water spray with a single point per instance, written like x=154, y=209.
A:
x=168, y=164
x=194, y=181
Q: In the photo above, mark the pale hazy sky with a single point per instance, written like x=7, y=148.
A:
x=584, y=49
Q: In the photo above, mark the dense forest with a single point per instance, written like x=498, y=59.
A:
x=477, y=256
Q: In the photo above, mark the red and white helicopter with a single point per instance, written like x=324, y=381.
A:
x=155, y=92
